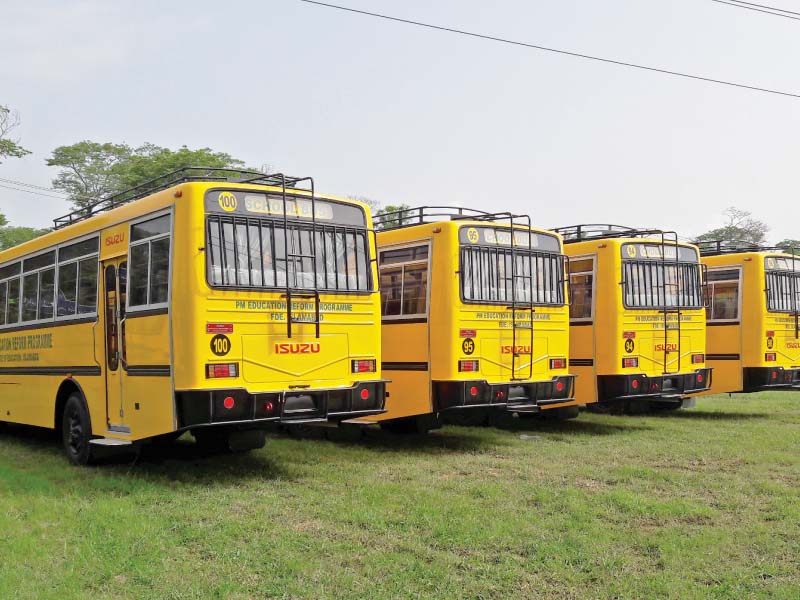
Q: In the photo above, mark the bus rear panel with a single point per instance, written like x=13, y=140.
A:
x=637, y=318
x=458, y=336
x=753, y=318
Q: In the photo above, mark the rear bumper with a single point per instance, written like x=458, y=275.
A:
x=514, y=396
x=771, y=378
x=241, y=407
x=667, y=388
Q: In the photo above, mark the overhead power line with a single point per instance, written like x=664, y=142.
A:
x=19, y=189
x=790, y=12
x=554, y=50
x=46, y=189
x=768, y=10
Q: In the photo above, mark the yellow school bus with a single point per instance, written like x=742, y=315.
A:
x=637, y=318
x=214, y=301
x=753, y=323
x=474, y=317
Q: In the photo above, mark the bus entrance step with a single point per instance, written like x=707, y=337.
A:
x=110, y=442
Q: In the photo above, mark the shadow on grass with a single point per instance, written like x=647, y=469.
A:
x=709, y=415
x=374, y=438
x=182, y=460
x=577, y=426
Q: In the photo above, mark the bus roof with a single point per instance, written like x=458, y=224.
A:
x=183, y=175
x=428, y=215
x=725, y=247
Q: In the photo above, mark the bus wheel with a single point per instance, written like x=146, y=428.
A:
x=76, y=431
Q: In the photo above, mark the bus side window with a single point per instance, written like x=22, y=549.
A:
x=581, y=279
x=149, y=262
x=723, y=295
x=3, y=297
x=404, y=282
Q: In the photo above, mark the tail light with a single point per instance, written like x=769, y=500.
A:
x=468, y=366
x=630, y=363
x=364, y=366
x=473, y=391
x=698, y=359
x=218, y=371
x=558, y=363
x=635, y=384
x=770, y=357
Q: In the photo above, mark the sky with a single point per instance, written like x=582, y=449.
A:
x=403, y=114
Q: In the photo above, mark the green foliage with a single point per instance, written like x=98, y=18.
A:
x=90, y=171
x=389, y=222
x=741, y=227
x=789, y=245
x=13, y=236
x=702, y=503
x=9, y=120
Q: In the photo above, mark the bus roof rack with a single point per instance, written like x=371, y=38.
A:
x=720, y=247
x=408, y=217
x=168, y=180
x=600, y=231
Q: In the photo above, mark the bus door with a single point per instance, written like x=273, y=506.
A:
x=115, y=277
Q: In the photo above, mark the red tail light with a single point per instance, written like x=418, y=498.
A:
x=630, y=363
x=364, y=366
x=770, y=357
x=365, y=394
x=635, y=384
x=558, y=363
x=560, y=386
x=699, y=378
x=218, y=371
x=698, y=358
x=228, y=402
x=468, y=366
x=473, y=391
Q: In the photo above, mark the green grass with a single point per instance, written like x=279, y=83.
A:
x=698, y=503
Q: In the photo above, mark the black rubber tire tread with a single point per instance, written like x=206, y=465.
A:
x=76, y=431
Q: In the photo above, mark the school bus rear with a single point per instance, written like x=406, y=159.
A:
x=753, y=321
x=472, y=339
x=638, y=329
x=279, y=318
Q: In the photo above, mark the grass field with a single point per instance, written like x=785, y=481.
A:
x=698, y=503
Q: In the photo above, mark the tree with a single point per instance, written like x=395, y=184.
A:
x=790, y=245
x=13, y=236
x=386, y=219
x=741, y=227
x=9, y=120
x=91, y=171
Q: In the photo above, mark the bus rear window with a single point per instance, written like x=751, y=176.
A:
x=655, y=284
x=501, y=275
x=783, y=291
x=258, y=253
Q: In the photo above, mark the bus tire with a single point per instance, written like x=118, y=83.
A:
x=76, y=431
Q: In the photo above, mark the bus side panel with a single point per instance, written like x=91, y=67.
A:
x=406, y=362
x=724, y=356
x=147, y=397
x=34, y=363
x=582, y=361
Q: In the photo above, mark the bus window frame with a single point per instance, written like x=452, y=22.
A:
x=792, y=273
x=411, y=317
x=710, y=286
x=549, y=255
x=132, y=311
x=77, y=260
x=659, y=262
x=34, y=323
x=593, y=273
